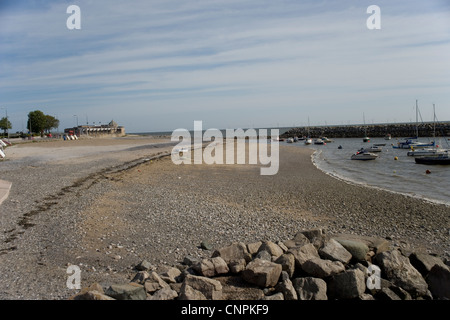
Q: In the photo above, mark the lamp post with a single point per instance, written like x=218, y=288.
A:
x=77, y=122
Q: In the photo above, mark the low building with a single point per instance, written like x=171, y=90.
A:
x=111, y=128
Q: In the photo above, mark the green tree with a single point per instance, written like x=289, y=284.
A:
x=37, y=121
x=51, y=123
x=5, y=124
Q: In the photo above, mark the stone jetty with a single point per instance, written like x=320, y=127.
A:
x=313, y=265
x=427, y=129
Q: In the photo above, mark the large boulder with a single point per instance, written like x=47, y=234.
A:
x=333, y=250
x=315, y=236
x=286, y=287
x=235, y=251
x=309, y=288
x=262, y=273
x=357, y=249
x=347, y=285
x=272, y=248
x=129, y=291
x=375, y=244
x=209, y=288
x=424, y=262
x=438, y=280
x=287, y=261
x=211, y=267
x=320, y=268
x=154, y=283
x=303, y=254
x=397, y=269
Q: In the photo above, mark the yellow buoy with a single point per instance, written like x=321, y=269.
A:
x=395, y=158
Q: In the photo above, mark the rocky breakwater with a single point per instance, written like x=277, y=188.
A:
x=374, y=130
x=313, y=265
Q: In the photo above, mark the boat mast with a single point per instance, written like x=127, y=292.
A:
x=417, y=121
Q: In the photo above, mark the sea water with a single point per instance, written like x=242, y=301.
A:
x=402, y=175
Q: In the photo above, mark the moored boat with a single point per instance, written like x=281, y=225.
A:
x=437, y=160
x=362, y=154
x=319, y=141
x=430, y=152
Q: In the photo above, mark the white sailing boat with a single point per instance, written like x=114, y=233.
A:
x=433, y=151
x=413, y=142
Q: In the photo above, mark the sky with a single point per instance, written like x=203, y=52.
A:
x=159, y=65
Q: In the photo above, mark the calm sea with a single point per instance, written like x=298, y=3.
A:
x=402, y=175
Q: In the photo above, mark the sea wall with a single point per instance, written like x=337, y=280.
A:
x=374, y=130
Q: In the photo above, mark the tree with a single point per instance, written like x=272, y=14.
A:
x=37, y=121
x=5, y=124
x=51, y=123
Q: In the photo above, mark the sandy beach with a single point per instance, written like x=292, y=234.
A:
x=107, y=204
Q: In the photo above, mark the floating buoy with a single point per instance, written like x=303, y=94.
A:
x=395, y=158
x=428, y=172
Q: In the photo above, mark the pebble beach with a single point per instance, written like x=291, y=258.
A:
x=107, y=204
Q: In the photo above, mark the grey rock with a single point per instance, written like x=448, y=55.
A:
x=282, y=246
x=315, y=236
x=154, y=283
x=144, y=265
x=189, y=293
x=347, y=285
x=171, y=275
x=309, y=288
x=299, y=240
x=272, y=248
x=287, y=262
x=234, y=251
x=264, y=255
x=164, y=294
x=129, y=291
x=438, y=280
x=321, y=268
x=206, y=245
x=333, y=250
x=400, y=272
x=386, y=294
x=253, y=247
x=237, y=266
x=375, y=244
x=304, y=253
x=424, y=262
x=189, y=260
x=357, y=249
x=210, y=288
x=366, y=296
x=262, y=273
x=140, y=277
x=276, y=296
x=287, y=289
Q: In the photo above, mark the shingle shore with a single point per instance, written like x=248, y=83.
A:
x=108, y=221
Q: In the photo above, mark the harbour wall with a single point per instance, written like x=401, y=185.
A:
x=441, y=129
